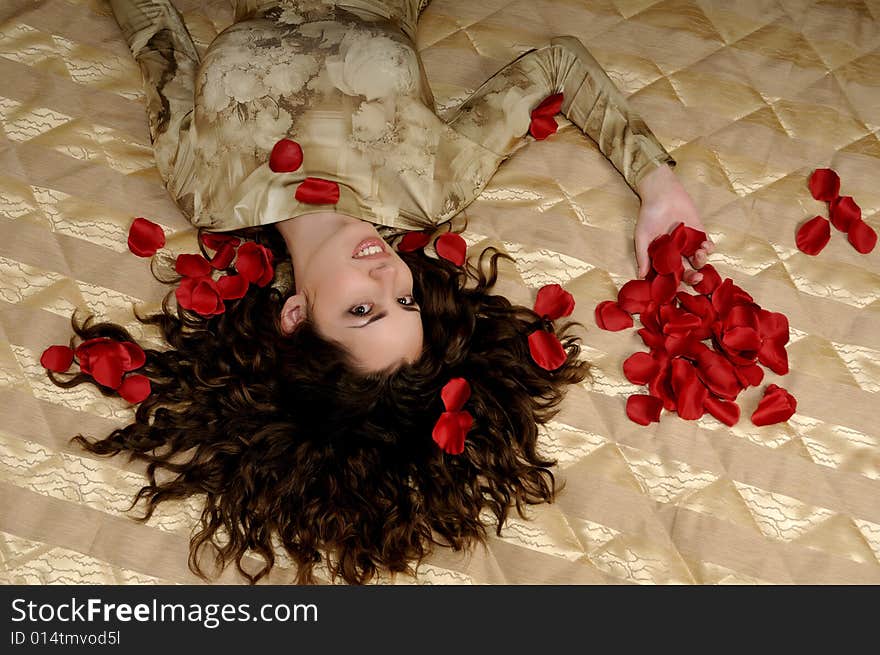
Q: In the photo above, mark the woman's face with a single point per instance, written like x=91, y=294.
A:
x=359, y=293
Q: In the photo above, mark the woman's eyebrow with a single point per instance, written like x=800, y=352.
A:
x=381, y=315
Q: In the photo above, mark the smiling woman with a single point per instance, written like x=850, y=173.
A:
x=376, y=402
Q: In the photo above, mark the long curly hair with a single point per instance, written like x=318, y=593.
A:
x=289, y=445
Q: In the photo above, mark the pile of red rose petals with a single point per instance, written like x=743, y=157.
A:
x=552, y=302
x=109, y=363
x=198, y=291
x=682, y=372
x=845, y=214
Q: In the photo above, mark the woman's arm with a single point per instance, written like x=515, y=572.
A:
x=665, y=203
x=497, y=116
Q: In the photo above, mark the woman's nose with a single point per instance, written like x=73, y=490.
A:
x=382, y=270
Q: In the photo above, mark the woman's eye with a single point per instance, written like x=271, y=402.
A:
x=361, y=310
x=407, y=300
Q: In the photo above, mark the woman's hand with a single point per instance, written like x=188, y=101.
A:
x=665, y=203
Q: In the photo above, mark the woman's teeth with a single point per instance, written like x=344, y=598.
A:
x=370, y=250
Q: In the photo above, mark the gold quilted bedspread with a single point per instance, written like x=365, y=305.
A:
x=748, y=96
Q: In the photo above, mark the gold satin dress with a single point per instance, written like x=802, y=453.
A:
x=344, y=80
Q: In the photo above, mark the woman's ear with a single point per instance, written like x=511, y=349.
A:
x=293, y=313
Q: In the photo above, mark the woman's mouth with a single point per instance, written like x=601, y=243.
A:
x=372, y=248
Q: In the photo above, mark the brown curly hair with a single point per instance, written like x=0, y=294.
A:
x=285, y=440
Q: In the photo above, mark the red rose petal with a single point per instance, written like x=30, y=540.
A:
x=549, y=107
x=694, y=240
x=192, y=265
x=542, y=127
x=665, y=256
x=634, y=296
x=223, y=257
x=609, y=316
x=107, y=369
x=711, y=280
x=640, y=367
x=813, y=235
x=57, y=358
x=449, y=432
x=718, y=374
x=660, y=387
x=663, y=288
x=690, y=393
x=643, y=409
x=135, y=388
x=678, y=344
x=315, y=191
x=145, y=237
x=451, y=247
x=546, y=350
x=774, y=356
x=773, y=325
x=412, y=241
x=741, y=338
x=750, y=375
x=216, y=240
x=725, y=411
x=553, y=302
x=206, y=299
x=286, y=156
x=255, y=263
x=681, y=323
x=824, y=184
x=232, y=287
x=843, y=212
x=653, y=340
x=862, y=236
x=136, y=356
x=455, y=394
x=776, y=406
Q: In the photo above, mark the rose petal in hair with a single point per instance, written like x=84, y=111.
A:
x=824, y=184
x=776, y=406
x=216, y=240
x=813, y=235
x=200, y=295
x=286, y=156
x=862, y=236
x=105, y=360
x=255, y=263
x=450, y=431
x=145, y=237
x=136, y=356
x=57, y=358
x=413, y=241
x=553, y=302
x=546, y=350
x=451, y=247
x=643, y=409
x=135, y=388
x=223, y=257
x=232, y=287
x=192, y=265
x=455, y=394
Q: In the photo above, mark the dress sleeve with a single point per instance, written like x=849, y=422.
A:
x=497, y=115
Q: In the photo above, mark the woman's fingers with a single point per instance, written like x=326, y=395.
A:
x=690, y=276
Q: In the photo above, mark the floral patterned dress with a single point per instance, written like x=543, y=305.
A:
x=345, y=81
